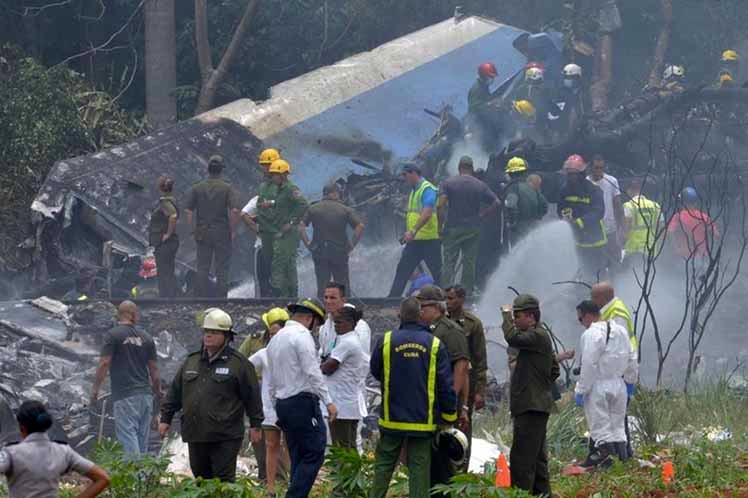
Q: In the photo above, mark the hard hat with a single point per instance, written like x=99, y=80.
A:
x=534, y=74
x=730, y=56
x=309, y=304
x=571, y=70
x=725, y=77
x=430, y=294
x=574, y=164
x=267, y=156
x=516, y=165
x=525, y=302
x=279, y=166
x=273, y=316
x=217, y=319
x=148, y=268
x=487, y=70
x=200, y=316
x=454, y=443
x=673, y=71
x=689, y=195
x=524, y=107
x=535, y=64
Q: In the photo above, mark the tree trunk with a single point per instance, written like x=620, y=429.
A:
x=600, y=89
x=663, y=40
x=212, y=78
x=160, y=63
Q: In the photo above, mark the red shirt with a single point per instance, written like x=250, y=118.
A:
x=688, y=231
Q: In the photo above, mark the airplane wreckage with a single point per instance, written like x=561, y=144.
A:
x=353, y=123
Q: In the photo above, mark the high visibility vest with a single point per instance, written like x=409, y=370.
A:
x=429, y=231
x=618, y=309
x=429, y=423
x=644, y=225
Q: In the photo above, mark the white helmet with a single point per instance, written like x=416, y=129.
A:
x=572, y=70
x=672, y=71
x=217, y=319
x=455, y=443
x=534, y=74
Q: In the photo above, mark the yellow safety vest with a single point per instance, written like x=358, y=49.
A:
x=618, y=309
x=428, y=425
x=429, y=231
x=644, y=225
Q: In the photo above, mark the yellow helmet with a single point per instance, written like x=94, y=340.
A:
x=274, y=315
x=279, y=166
x=524, y=107
x=217, y=319
x=267, y=156
x=725, y=78
x=729, y=55
x=516, y=165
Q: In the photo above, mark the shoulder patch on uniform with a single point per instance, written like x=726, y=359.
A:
x=296, y=193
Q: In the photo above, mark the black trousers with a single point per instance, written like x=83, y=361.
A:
x=529, y=456
x=166, y=257
x=213, y=250
x=215, y=459
x=264, y=267
x=300, y=419
x=428, y=251
x=344, y=433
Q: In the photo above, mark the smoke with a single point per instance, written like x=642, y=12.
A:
x=467, y=148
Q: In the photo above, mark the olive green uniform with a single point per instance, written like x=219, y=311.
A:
x=265, y=257
x=530, y=403
x=288, y=206
x=165, y=251
x=476, y=339
x=523, y=208
x=453, y=337
x=212, y=199
x=214, y=396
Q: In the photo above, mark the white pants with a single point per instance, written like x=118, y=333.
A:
x=605, y=411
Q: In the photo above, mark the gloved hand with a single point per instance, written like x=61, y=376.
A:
x=579, y=400
x=630, y=390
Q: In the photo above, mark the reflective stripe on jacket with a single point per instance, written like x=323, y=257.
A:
x=429, y=231
x=618, y=309
x=585, y=202
x=646, y=216
x=417, y=393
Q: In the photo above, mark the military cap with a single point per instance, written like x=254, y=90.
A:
x=216, y=159
x=525, y=302
x=429, y=294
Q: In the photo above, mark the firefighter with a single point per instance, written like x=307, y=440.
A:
x=217, y=205
x=214, y=388
x=279, y=211
x=480, y=93
x=728, y=68
x=565, y=107
x=163, y=238
x=413, y=366
x=673, y=80
x=581, y=204
x=523, y=206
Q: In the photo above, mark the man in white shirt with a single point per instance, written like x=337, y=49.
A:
x=345, y=369
x=613, y=219
x=296, y=388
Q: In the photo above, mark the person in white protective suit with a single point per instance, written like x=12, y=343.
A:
x=610, y=363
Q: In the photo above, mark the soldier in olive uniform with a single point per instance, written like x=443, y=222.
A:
x=476, y=339
x=530, y=397
x=434, y=313
x=163, y=238
x=279, y=211
x=217, y=206
x=214, y=389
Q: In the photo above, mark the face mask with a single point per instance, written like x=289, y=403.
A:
x=570, y=83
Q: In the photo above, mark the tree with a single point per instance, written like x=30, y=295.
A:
x=663, y=41
x=212, y=77
x=160, y=62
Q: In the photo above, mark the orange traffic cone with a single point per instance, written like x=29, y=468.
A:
x=503, y=477
x=668, y=473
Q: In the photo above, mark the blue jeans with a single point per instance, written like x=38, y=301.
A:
x=301, y=420
x=132, y=423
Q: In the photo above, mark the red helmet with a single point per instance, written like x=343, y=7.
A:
x=535, y=64
x=148, y=268
x=575, y=164
x=487, y=70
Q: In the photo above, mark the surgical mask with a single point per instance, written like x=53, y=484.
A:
x=569, y=83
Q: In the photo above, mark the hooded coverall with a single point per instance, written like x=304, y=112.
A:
x=609, y=361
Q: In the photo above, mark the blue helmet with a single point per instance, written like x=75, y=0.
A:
x=689, y=195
